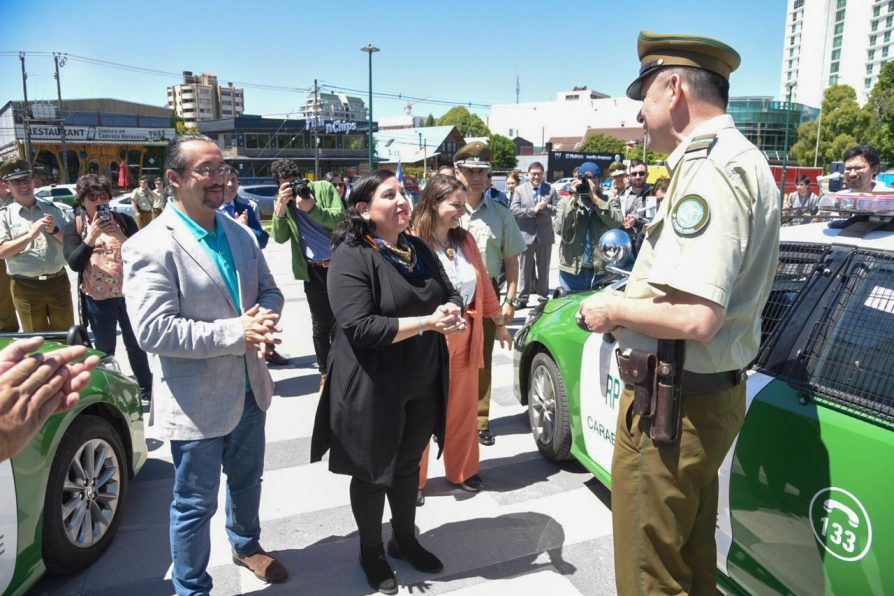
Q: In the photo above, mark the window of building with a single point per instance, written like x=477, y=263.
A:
x=887, y=37
x=885, y=51
x=327, y=141
x=833, y=80
x=839, y=28
x=868, y=69
x=839, y=16
x=889, y=21
x=872, y=39
x=790, y=63
x=836, y=54
x=793, y=27
x=842, y=3
x=791, y=40
x=833, y=68
x=868, y=82
x=891, y=6
x=874, y=26
x=876, y=10
x=836, y=42
x=871, y=55
x=256, y=141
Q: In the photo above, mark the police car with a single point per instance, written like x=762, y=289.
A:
x=62, y=497
x=804, y=491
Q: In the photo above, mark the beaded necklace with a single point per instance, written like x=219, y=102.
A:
x=402, y=256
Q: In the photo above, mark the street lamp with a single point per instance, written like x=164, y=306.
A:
x=788, y=116
x=369, y=49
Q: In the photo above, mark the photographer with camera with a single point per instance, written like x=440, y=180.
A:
x=305, y=214
x=581, y=220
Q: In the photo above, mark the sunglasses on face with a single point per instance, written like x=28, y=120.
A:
x=637, y=174
x=97, y=195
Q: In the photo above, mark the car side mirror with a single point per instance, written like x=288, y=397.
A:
x=614, y=247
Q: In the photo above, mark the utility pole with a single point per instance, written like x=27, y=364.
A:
x=63, y=152
x=316, y=131
x=27, y=110
x=517, y=89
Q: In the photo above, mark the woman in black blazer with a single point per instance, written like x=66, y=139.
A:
x=386, y=391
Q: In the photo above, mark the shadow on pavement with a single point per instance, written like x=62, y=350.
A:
x=486, y=548
x=297, y=386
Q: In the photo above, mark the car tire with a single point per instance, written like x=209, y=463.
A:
x=548, y=409
x=83, y=505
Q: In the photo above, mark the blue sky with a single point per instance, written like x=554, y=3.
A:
x=441, y=50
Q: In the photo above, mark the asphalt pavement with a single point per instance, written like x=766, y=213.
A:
x=536, y=528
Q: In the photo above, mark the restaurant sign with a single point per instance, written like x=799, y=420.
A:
x=42, y=133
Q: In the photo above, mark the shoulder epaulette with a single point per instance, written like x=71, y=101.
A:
x=701, y=143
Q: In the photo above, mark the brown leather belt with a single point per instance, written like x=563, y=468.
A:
x=324, y=263
x=705, y=382
x=39, y=277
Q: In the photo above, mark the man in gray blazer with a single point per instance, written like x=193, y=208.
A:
x=204, y=306
x=534, y=205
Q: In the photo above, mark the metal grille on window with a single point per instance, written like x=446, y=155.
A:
x=849, y=360
x=797, y=265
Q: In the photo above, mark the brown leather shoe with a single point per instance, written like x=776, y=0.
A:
x=274, y=358
x=265, y=567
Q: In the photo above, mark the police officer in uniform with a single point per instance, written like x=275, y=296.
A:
x=702, y=277
x=500, y=242
x=9, y=323
x=31, y=243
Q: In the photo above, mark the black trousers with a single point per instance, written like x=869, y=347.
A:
x=368, y=500
x=322, y=320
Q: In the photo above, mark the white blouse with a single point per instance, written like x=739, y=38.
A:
x=461, y=272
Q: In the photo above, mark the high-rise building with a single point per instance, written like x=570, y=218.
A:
x=334, y=106
x=829, y=42
x=202, y=98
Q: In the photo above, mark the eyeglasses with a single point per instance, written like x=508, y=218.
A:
x=637, y=174
x=97, y=195
x=206, y=171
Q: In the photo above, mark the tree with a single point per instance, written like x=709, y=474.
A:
x=467, y=123
x=881, y=113
x=502, y=152
x=430, y=121
x=600, y=143
x=844, y=124
x=181, y=128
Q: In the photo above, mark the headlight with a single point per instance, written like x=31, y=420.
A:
x=110, y=364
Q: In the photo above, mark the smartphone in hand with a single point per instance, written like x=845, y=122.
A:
x=103, y=212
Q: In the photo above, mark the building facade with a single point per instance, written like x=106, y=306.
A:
x=763, y=121
x=251, y=143
x=569, y=115
x=200, y=97
x=829, y=42
x=334, y=106
x=100, y=136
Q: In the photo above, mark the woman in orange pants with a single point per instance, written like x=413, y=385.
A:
x=436, y=219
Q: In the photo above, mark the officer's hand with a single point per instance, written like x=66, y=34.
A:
x=50, y=222
x=37, y=227
x=508, y=311
x=597, y=311
x=629, y=220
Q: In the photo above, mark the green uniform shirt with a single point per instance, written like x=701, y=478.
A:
x=716, y=236
x=495, y=231
x=43, y=255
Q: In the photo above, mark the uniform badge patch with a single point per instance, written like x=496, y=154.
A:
x=690, y=215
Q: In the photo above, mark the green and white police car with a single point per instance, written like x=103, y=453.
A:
x=804, y=489
x=62, y=497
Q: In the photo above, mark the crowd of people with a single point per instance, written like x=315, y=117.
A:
x=407, y=303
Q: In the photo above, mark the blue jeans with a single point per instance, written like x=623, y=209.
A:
x=576, y=283
x=197, y=467
x=105, y=316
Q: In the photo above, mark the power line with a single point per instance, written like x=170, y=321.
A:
x=249, y=85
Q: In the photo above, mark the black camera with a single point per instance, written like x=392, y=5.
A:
x=583, y=189
x=301, y=189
